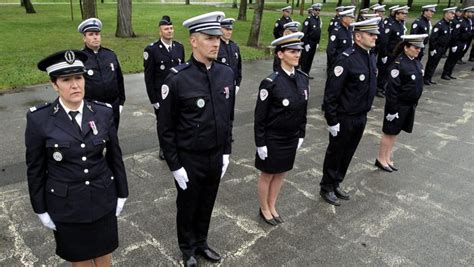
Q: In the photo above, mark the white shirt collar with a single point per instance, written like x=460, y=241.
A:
x=289, y=73
x=166, y=45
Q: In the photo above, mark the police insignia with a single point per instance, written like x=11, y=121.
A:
x=362, y=77
x=223, y=60
x=413, y=77
x=90, y=72
x=162, y=67
x=263, y=94
x=276, y=24
x=338, y=70
x=285, y=102
x=435, y=29
x=415, y=25
x=306, y=23
x=69, y=56
x=394, y=73
x=57, y=156
x=387, y=30
x=145, y=55
x=200, y=103
x=458, y=25
x=164, y=91
x=333, y=37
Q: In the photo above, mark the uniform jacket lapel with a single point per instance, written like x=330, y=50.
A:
x=87, y=116
x=63, y=121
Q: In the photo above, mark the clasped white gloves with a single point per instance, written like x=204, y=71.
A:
x=262, y=152
x=432, y=53
x=181, y=177
x=307, y=47
x=333, y=130
x=120, y=108
x=300, y=142
x=156, y=105
x=46, y=221
x=384, y=60
x=225, y=163
x=120, y=204
x=391, y=117
x=237, y=88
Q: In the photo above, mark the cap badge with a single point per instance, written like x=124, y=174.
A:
x=69, y=56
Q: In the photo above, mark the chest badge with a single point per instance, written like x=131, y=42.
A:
x=285, y=102
x=200, y=103
x=162, y=67
x=362, y=77
x=90, y=72
x=57, y=156
x=112, y=67
x=413, y=77
x=223, y=60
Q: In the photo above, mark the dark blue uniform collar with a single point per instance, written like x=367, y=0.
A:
x=199, y=64
x=90, y=50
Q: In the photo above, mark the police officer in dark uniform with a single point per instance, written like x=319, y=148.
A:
x=340, y=38
x=460, y=35
x=312, y=34
x=422, y=25
x=280, y=122
x=439, y=42
x=285, y=18
x=195, y=133
x=76, y=177
x=468, y=22
x=229, y=51
x=158, y=58
x=404, y=88
x=289, y=28
x=334, y=22
x=379, y=48
x=104, y=79
x=348, y=96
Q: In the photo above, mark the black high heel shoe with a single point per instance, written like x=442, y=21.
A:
x=271, y=221
x=382, y=167
x=393, y=167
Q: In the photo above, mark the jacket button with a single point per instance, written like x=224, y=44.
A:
x=52, y=190
x=86, y=171
x=84, y=158
x=83, y=145
x=111, y=177
x=56, y=145
x=87, y=182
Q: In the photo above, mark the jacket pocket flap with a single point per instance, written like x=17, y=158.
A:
x=56, y=188
x=99, y=141
x=56, y=144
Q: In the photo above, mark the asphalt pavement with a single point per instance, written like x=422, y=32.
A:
x=421, y=215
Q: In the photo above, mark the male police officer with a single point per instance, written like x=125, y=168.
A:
x=340, y=38
x=422, y=25
x=229, y=51
x=439, y=42
x=334, y=22
x=312, y=34
x=348, y=97
x=195, y=132
x=158, y=58
x=104, y=79
x=285, y=18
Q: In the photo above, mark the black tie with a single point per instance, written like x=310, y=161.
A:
x=73, y=115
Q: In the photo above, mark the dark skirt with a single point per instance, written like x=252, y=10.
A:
x=281, y=154
x=405, y=122
x=85, y=241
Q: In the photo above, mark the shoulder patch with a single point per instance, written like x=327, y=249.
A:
x=263, y=94
x=394, y=73
x=338, y=70
x=38, y=107
x=272, y=76
x=179, y=68
x=102, y=104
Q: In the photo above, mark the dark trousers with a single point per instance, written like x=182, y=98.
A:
x=432, y=63
x=306, y=59
x=452, y=59
x=471, y=56
x=340, y=150
x=195, y=204
x=116, y=110
x=381, y=74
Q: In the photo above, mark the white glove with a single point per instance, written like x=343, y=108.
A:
x=156, y=105
x=120, y=108
x=120, y=204
x=225, y=163
x=300, y=142
x=46, y=221
x=262, y=152
x=181, y=177
x=384, y=60
x=307, y=47
x=391, y=117
x=432, y=53
x=237, y=88
x=333, y=130
x=317, y=46
x=454, y=49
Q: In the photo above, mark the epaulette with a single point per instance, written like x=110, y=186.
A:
x=302, y=72
x=348, y=51
x=152, y=44
x=397, y=62
x=179, y=68
x=105, y=48
x=272, y=76
x=38, y=107
x=102, y=104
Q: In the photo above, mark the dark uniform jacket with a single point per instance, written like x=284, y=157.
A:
x=440, y=36
x=104, y=79
x=195, y=114
x=281, y=106
x=75, y=178
x=392, y=34
x=405, y=83
x=351, y=85
x=379, y=43
x=230, y=55
x=157, y=61
x=312, y=30
x=460, y=33
x=278, y=29
x=334, y=23
x=421, y=25
x=339, y=40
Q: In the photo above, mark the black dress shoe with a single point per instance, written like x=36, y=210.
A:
x=190, y=262
x=445, y=77
x=433, y=82
x=269, y=221
x=452, y=77
x=382, y=167
x=341, y=194
x=393, y=167
x=330, y=198
x=161, y=155
x=278, y=219
x=427, y=82
x=209, y=254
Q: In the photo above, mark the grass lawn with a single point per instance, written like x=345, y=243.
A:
x=27, y=38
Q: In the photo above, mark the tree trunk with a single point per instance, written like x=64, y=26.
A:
x=366, y=3
x=297, y=3
x=187, y=2
x=29, y=7
x=410, y=3
x=22, y=3
x=89, y=11
x=234, y=3
x=242, y=10
x=467, y=3
x=302, y=8
x=124, y=19
x=339, y=2
x=256, y=23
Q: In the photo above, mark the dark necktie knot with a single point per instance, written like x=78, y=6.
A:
x=73, y=114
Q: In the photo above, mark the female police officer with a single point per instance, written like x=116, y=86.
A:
x=280, y=121
x=405, y=85
x=76, y=176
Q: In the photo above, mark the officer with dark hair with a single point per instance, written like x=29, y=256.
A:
x=104, y=79
x=285, y=18
x=422, y=25
x=158, y=58
x=195, y=133
x=312, y=34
